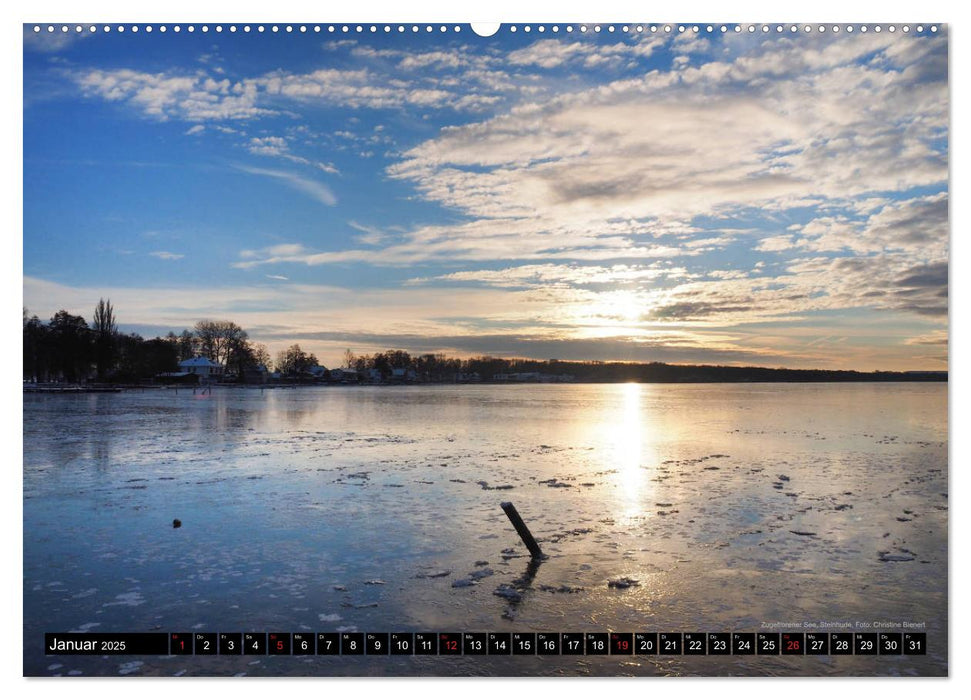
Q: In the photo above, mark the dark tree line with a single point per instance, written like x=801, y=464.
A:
x=429, y=367
x=69, y=349
x=439, y=368
x=62, y=349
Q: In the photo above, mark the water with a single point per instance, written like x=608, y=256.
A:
x=293, y=500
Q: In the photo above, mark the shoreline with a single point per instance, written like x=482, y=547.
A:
x=113, y=389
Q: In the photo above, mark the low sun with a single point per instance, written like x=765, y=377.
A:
x=615, y=313
x=625, y=305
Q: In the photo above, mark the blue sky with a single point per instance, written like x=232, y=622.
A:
x=770, y=198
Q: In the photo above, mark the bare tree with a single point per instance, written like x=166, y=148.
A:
x=188, y=345
x=261, y=355
x=105, y=331
x=219, y=339
x=293, y=360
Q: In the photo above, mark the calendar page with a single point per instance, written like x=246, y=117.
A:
x=525, y=349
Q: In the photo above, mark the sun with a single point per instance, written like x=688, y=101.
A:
x=620, y=312
x=625, y=306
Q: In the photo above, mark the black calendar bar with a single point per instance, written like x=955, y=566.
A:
x=883, y=644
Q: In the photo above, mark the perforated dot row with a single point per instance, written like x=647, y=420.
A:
x=428, y=28
x=724, y=28
x=246, y=28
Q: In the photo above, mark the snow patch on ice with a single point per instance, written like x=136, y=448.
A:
x=87, y=626
x=131, y=599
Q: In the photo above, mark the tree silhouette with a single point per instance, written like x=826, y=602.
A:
x=72, y=346
x=218, y=340
x=104, y=337
x=37, y=349
x=140, y=359
x=188, y=345
x=261, y=355
x=293, y=361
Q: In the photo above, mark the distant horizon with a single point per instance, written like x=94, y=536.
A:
x=766, y=198
x=129, y=328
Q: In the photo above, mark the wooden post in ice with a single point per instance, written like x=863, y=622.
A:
x=527, y=536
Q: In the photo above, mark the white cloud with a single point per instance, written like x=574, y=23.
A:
x=312, y=188
x=491, y=239
x=553, y=274
x=773, y=244
x=781, y=124
x=434, y=59
x=268, y=146
x=691, y=42
x=918, y=226
x=166, y=255
x=279, y=147
x=190, y=97
x=370, y=235
x=357, y=88
x=635, y=148
x=549, y=53
x=205, y=95
x=553, y=53
x=281, y=249
x=56, y=41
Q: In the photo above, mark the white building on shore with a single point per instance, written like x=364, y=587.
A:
x=201, y=366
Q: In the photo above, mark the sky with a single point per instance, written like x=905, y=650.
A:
x=767, y=198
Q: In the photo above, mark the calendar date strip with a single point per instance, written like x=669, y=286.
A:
x=487, y=643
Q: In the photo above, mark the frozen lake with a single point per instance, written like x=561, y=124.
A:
x=733, y=506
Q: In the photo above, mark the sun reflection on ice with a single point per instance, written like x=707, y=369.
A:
x=630, y=434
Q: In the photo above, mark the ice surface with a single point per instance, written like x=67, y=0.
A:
x=730, y=505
